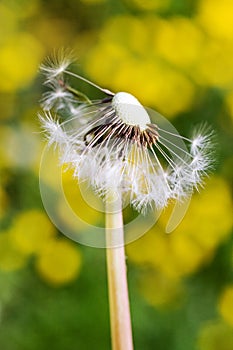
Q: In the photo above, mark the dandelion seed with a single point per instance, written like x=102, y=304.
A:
x=57, y=97
x=56, y=65
x=113, y=143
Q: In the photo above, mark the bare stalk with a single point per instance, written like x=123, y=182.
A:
x=121, y=330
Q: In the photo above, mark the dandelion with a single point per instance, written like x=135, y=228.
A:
x=114, y=145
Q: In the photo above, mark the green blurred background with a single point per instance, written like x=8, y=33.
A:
x=176, y=57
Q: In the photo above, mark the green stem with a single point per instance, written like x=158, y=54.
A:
x=121, y=330
x=78, y=94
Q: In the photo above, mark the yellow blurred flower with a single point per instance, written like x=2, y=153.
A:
x=75, y=206
x=159, y=290
x=226, y=305
x=216, y=17
x=10, y=257
x=208, y=222
x=204, y=227
x=19, y=146
x=188, y=255
x=215, y=336
x=31, y=231
x=215, y=65
x=20, y=57
x=81, y=207
x=59, y=262
x=8, y=20
x=50, y=172
x=132, y=33
x=179, y=41
x=133, y=65
x=149, y=250
x=150, y=4
x=22, y=9
x=53, y=32
x=194, y=241
x=163, y=87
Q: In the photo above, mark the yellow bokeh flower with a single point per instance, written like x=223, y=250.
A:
x=10, y=257
x=159, y=290
x=216, y=17
x=194, y=241
x=215, y=336
x=226, y=305
x=210, y=223
x=31, y=231
x=188, y=255
x=22, y=9
x=20, y=57
x=150, y=4
x=126, y=42
x=8, y=20
x=215, y=65
x=53, y=32
x=160, y=84
x=129, y=33
x=19, y=146
x=179, y=41
x=82, y=207
x=75, y=205
x=151, y=249
x=204, y=227
x=50, y=174
x=59, y=262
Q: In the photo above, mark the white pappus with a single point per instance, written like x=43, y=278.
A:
x=113, y=143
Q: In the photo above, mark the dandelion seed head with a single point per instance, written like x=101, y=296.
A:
x=114, y=145
x=130, y=110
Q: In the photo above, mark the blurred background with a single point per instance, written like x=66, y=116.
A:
x=175, y=56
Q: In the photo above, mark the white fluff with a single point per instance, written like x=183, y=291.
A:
x=97, y=142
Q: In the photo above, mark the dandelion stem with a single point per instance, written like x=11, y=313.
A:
x=121, y=330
